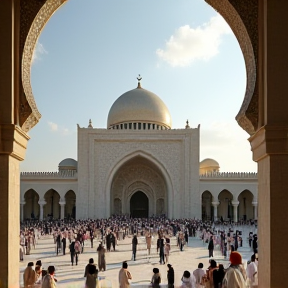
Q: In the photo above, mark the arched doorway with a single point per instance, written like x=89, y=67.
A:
x=245, y=208
x=70, y=207
x=225, y=208
x=207, y=208
x=52, y=206
x=135, y=175
x=139, y=205
x=31, y=208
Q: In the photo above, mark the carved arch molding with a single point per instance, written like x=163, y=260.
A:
x=242, y=16
x=132, y=178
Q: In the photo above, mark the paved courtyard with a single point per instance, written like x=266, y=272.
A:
x=141, y=269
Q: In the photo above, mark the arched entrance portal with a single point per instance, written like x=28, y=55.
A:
x=139, y=205
x=139, y=176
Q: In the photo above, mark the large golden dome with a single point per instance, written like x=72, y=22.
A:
x=139, y=106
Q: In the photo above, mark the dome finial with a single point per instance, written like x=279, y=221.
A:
x=139, y=78
x=90, y=124
x=187, y=125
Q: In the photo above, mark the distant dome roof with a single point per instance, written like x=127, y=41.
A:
x=208, y=162
x=68, y=164
x=139, y=105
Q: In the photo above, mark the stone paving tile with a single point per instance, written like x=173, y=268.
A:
x=141, y=269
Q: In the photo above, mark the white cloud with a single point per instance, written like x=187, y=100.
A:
x=38, y=51
x=53, y=126
x=65, y=131
x=189, y=44
x=61, y=130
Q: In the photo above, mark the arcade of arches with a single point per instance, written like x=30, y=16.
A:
x=261, y=29
x=49, y=205
x=226, y=207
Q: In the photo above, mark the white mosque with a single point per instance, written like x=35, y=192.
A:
x=140, y=166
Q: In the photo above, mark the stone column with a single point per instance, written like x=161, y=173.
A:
x=41, y=204
x=62, y=207
x=270, y=142
x=13, y=142
x=235, y=210
x=22, y=211
x=215, y=205
x=255, y=205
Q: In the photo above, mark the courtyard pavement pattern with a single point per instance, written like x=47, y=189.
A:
x=141, y=270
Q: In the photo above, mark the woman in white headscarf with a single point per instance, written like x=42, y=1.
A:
x=188, y=280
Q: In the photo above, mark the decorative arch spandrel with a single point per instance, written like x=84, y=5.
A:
x=34, y=14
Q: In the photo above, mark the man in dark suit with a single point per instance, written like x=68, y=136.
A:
x=64, y=244
x=72, y=251
x=211, y=247
x=58, y=243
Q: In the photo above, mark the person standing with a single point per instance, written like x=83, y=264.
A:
x=72, y=251
x=235, y=275
x=58, y=243
x=188, y=280
x=91, y=232
x=250, y=239
x=170, y=276
x=64, y=244
x=218, y=276
x=101, y=257
x=181, y=240
x=148, y=242
x=255, y=244
x=213, y=267
x=156, y=278
x=134, y=247
x=198, y=274
x=22, y=243
x=113, y=240
x=160, y=248
x=167, y=250
x=186, y=236
x=211, y=247
x=49, y=280
x=29, y=276
x=124, y=276
x=77, y=249
x=251, y=271
x=91, y=274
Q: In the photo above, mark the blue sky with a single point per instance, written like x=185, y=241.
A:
x=88, y=55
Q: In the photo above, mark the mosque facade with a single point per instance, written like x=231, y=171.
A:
x=139, y=166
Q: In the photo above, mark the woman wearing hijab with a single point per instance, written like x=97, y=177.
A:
x=188, y=280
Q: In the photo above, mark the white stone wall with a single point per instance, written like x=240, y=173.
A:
x=101, y=153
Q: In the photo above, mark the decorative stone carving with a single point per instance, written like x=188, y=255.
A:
x=236, y=175
x=138, y=177
x=117, y=206
x=108, y=154
x=160, y=208
x=34, y=16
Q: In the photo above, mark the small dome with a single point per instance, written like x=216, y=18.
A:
x=68, y=164
x=208, y=162
x=208, y=165
x=139, y=105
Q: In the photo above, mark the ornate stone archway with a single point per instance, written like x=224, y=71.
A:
x=138, y=174
x=263, y=110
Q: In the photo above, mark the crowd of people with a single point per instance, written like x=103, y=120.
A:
x=73, y=234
